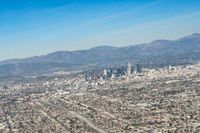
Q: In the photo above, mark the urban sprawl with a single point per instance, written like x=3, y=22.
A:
x=128, y=99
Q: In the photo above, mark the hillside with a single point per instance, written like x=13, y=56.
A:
x=183, y=50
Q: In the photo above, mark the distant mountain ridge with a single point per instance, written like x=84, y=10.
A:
x=182, y=50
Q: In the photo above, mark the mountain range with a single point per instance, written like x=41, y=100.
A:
x=180, y=51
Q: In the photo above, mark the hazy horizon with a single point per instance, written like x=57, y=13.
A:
x=31, y=28
x=49, y=52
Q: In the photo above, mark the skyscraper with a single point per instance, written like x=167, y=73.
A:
x=129, y=69
x=105, y=72
x=138, y=68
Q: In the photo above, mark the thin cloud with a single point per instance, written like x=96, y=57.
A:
x=114, y=16
x=170, y=19
x=143, y=26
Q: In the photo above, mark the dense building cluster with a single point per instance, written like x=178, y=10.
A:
x=161, y=100
x=115, y=73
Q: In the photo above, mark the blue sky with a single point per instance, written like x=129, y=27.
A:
x=36, y=27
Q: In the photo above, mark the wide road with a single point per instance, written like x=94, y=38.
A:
x=51, y=117
x=90, y=124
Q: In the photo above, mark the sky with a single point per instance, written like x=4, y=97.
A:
x=37, y=27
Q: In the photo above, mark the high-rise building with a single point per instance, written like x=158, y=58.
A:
x=121, y=70
x=138, y=68
x=86, y=78
x=169, y=67
x=109, y=71
x=114, y=76
x=105, y=72
x=129, y=69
